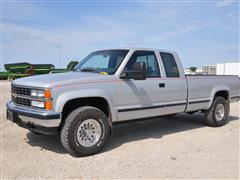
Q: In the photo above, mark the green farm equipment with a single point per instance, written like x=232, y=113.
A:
x=60, y=70
x=18, y=70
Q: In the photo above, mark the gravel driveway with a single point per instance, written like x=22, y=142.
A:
x=179, y=147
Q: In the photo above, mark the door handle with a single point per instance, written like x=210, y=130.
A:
x=161, y=85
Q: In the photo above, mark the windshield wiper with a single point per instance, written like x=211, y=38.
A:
x=89, y=69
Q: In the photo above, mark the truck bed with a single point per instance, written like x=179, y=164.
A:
x=201, y=89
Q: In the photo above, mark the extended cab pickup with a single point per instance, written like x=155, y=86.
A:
x=116, y=85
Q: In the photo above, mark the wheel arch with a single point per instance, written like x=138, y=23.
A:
x=222, y=91
x=97, y=102
x=69, y=101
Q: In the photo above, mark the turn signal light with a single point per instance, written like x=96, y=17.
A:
x=48, y=105
x=47, y=94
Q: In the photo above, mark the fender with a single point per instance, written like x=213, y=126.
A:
x=214, y=91
x=85, y=93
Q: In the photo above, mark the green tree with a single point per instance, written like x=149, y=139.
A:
x=193, y=69
x=72, y=64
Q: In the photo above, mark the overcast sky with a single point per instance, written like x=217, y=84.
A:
x=201, y=32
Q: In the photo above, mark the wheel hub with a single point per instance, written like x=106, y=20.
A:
x=219, y=112
x=89, y=132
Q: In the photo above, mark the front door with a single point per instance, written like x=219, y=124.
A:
x=141, y=98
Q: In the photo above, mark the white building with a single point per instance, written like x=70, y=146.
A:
x=199, y=71
x=187, y=71
x=231, y=68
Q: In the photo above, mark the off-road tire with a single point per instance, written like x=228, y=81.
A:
x=74, y=119
x=210, y=118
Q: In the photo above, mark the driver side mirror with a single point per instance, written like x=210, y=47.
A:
x=138, y=72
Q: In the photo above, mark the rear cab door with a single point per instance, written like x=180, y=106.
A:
x=175, y=92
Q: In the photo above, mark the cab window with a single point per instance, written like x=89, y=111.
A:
x=149, y=58
x=170, y=64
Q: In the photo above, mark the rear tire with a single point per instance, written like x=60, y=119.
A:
x=85, y=131
x=217, y=115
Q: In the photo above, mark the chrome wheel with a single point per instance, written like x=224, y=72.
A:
x=219, y=112
x=89, y=132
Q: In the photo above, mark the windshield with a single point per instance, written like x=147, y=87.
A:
x=105, y=62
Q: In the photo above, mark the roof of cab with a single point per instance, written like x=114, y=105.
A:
x=138, y=48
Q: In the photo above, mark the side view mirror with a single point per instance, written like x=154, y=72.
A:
x=138, y=72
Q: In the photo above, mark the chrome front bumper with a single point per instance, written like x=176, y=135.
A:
x=31, y=117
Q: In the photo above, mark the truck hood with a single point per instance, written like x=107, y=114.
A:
x=52, y=80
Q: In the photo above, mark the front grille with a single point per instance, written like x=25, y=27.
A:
x=21, y=90
x=17, y=92
x=21, y=101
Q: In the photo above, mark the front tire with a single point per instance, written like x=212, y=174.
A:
x=217, y=115
x=85, y=131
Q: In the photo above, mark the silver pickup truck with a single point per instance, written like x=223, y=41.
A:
x=116, y=85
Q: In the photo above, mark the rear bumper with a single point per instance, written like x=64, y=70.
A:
x=45, y=122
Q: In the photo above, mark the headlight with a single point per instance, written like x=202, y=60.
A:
x=41, y=93
x=42, y=99
x=37, y=93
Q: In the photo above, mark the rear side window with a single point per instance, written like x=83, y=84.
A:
x=170, y=64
